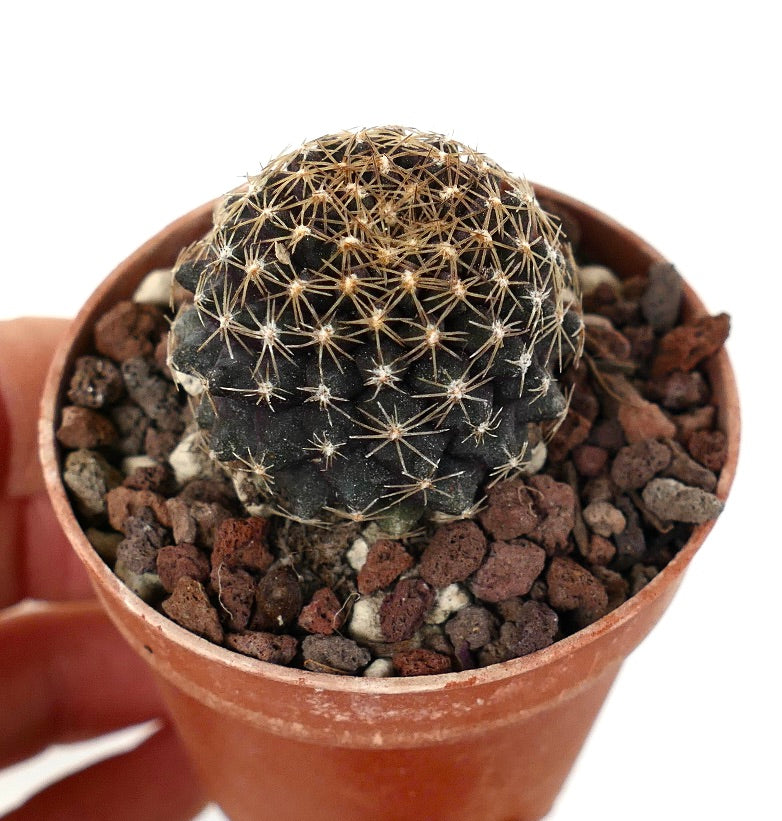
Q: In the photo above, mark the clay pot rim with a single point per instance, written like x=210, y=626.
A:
x=49, y=454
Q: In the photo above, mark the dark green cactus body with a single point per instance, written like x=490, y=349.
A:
x=378, y=319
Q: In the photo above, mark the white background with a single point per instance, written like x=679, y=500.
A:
x=119, y=118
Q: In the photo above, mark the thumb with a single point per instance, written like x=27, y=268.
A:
x=26, y=349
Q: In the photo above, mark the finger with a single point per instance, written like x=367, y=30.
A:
x=66, y=674
x=36, y=559
x=155, y=782
x=26, y=349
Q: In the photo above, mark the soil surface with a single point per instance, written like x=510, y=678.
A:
x=628, y=474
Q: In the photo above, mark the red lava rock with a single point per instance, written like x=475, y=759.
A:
x=183, y=524
x=403, y=610
x=509, y=570
x=473, y=626
x=334, y=654
x=583, y=400
x=603, y=341
x=573, y=587
x=689, y=472
x=160, y=356
x=122, y=502
x=278, y=599
x=159, y=445
x=599, y=489
x=696, y=419
x=324, y=614
x=85, y=428
x=96, y=382
x=598, y=550
x=679, y=391
x=590, y=460
x=607, y=434
x=420, y=662
x=208, y=517
x=242, y=543
x=631, y=542
x=156, y=396
x=684, y=347
x=131, y=424
x=615, y=585
x=573, y=431
x=709, y=447
x=455, y=551
x=637, y=463
x=555, y=507
x=642, y=341
x=268, y=647
x=386, y=560
x=535, y=628
x=207, y=490
x=157, y=478
x=189, y=606
x=137, y=554
x=129, y=329
x=235, y=590
x=509, y=512
x=661, y=299
x=177, y=560
x=644, y=420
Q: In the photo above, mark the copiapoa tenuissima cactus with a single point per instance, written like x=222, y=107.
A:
x=378, y=323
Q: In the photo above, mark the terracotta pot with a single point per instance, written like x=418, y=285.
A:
x=272, y=742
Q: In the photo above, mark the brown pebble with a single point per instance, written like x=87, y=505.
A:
x=85, y=428
x=644, y=420
x=598, y=550
x=509, y=512
x=555, y=509
x=590, y=460
x=242, y=543
x=157, y=397
x=604, y=342
x=122, y=502
x=183, y=524
x=235, y=590
x=509, y=570
x=640, y=576
x=686, y=346
x=535, y=628
x=696, y=419
x=131, y=425
x=455, y=551
x=572, y=432
x=334, y=654
x=709, y=447
x=684, y=468
x=268, y=647
x=604, y=519
x=278, y=599
x=635, y=464
x=631, y=542
x=608, y=435
x=679, y=391
x=128, y=329
x=420, y=662
x=159, y=445
x=615, y=585
x=670, y=500
x=573, y=587
x=324, y=614
x=137, y=554
x=189, y=606
x=473, y=626
x=642, y=341
x=599, y=489
x=386, y=561
x=157, y=478
x=96, y=382
x=403, y=610
x=177, y=560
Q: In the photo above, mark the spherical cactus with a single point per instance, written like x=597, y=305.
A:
x=378, y=323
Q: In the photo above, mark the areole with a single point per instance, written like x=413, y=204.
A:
x=494, y=743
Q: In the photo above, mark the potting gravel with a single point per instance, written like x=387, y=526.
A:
x=628, y=474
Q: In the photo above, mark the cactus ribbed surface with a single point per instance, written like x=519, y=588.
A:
x=378, y=323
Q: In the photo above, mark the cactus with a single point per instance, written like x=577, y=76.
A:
x=378, y=322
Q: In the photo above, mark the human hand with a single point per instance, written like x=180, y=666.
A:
x=65, y=672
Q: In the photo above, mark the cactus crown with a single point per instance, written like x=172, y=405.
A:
x=377, y=323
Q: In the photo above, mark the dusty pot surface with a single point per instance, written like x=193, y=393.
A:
x=273, y=742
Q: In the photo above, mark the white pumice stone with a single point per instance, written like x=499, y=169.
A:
x=130, y=464
x=537, y=458
x=357, y=553
x=190, y=384
x=365, y=620
x=380, y=668
x=155, y=288
x=188, y=460
x=449, y=600
x=592, y=276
